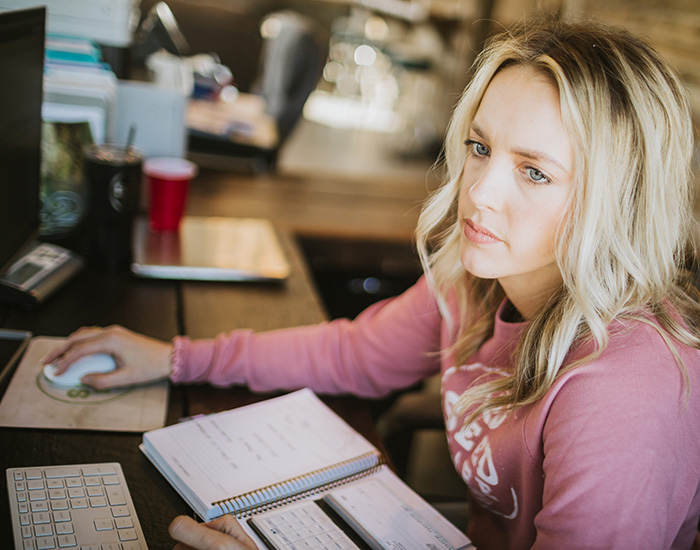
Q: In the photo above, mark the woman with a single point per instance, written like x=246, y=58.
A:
x=553, y=302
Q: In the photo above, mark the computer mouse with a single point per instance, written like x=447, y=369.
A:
x=97, y=363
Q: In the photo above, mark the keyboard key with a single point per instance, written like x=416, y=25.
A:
x=103, y=525
x=62, y=472
x=120, y=511
x=45, y=543
x=41, y=506
x=116, y=496
x=60, y=517
x=43, y=530
x=64, y=529
x=98, y=502
x=127, y=534
x=67, y=541
x=59, y=505
x=102, y=470
x=78, y=503
x=41, y=517
x=124, y=523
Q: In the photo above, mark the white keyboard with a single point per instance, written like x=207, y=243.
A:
x=81, y=507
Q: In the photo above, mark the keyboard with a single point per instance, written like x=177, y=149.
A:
x=302, y=527
x=81, y=507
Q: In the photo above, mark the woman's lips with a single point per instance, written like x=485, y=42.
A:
x=478, y=234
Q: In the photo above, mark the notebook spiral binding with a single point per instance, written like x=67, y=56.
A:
x=279, y=494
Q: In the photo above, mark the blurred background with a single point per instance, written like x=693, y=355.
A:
x=326, y=116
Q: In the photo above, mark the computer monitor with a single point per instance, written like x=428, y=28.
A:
x=21, y=67
x=29, y=271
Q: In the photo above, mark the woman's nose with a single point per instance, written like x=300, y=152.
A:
x=485, y=185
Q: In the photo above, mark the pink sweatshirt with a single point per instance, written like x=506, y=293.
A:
x=610, y=458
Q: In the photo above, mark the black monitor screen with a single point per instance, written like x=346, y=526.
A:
x=21, y=78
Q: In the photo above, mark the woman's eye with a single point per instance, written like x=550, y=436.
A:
x=477, y=148
x=537, y=176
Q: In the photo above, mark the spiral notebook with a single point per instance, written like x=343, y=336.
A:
x=246, y=459
x=280, y=459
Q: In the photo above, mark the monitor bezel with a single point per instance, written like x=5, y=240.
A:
x=17, y=244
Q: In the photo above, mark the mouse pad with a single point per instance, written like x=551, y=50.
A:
x=31, y=401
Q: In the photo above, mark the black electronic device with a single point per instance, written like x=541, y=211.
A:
x=29, y=271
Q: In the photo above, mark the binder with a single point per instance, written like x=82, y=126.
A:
x=290, y=452
x=226, y=463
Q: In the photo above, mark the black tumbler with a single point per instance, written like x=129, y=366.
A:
x=113, y=176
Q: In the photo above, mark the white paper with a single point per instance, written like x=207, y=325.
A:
x=394, y=516
x=227, y=454
x=380, y=508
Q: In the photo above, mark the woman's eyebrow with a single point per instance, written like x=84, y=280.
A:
x=540, y=156
x=478, y=131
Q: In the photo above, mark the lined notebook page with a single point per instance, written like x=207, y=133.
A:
x=234, y=452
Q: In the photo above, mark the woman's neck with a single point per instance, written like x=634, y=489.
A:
x=528, y=296
x=511, y=314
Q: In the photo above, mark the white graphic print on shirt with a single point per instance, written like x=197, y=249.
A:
x=470, y=445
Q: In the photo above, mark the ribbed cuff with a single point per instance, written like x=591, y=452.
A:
x=177, y=358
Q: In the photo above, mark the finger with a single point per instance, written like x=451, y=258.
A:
x=81, y=350
x=118, y=378
x=74, y=339
x=202, y=536
x=229, y=524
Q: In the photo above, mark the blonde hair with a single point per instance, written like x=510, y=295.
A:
x=623, y=244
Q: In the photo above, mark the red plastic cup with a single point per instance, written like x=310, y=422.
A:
x=168, y=183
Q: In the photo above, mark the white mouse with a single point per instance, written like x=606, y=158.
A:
x=97, y=363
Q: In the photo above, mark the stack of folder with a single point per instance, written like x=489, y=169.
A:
x=78, y=85
x=107, y=22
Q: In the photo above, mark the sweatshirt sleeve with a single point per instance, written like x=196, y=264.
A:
x=392, y=344
x=619, y=459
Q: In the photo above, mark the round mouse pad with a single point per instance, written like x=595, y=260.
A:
x=84, y=395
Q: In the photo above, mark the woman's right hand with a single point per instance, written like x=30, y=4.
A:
x=139, y=359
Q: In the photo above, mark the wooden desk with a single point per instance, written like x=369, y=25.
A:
x=319, y=206
x=160, y=309
x=96, y=298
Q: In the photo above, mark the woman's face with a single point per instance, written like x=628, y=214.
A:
x=515, y=186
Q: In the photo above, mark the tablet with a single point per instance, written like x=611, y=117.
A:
x=210, y=249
